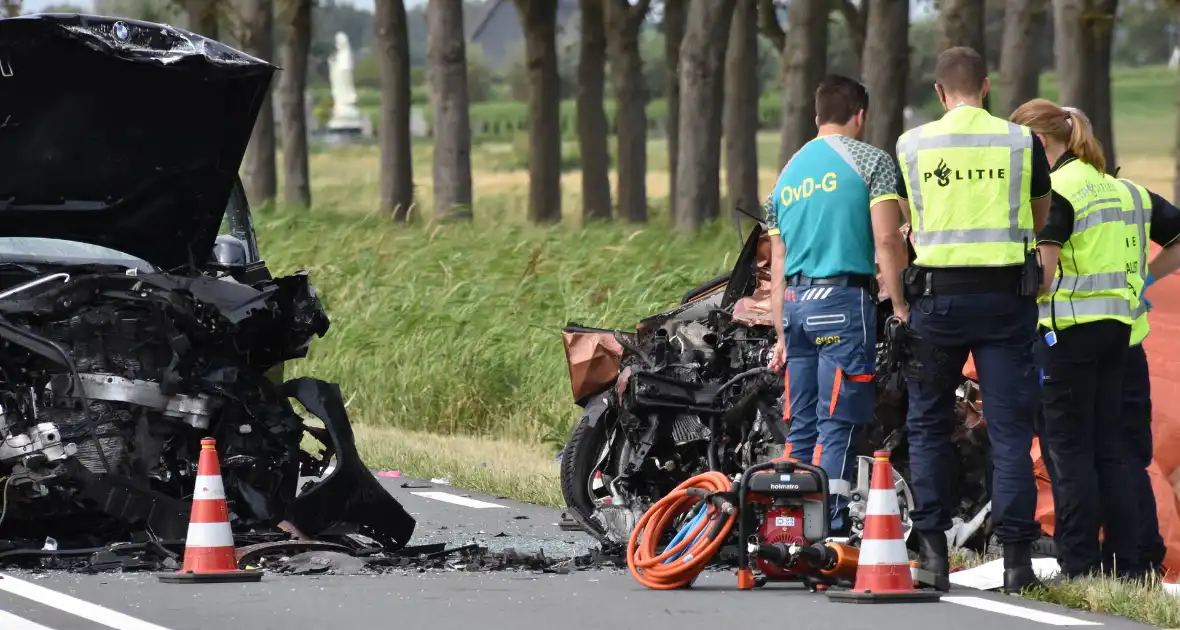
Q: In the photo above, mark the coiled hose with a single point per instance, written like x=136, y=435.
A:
x=694, y=545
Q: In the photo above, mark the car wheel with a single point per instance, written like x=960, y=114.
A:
x=580, y=462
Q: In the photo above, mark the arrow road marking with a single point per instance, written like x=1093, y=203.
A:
x=457, y=500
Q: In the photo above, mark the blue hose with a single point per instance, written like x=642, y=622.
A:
x=683, y=533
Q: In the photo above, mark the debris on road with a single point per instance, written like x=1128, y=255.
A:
x=350, y=554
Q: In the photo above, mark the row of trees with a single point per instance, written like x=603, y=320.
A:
x=711, y=57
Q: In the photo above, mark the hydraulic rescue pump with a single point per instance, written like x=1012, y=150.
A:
x=781, y=510
x=787, y=504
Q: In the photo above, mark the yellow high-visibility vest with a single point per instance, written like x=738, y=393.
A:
x=968, y=177
x=1093, y=278
x=1139, y=224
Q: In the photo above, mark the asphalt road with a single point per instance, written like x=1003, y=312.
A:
x=520, y=600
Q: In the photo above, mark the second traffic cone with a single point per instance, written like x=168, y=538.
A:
x=883, y=572
x=209, y=546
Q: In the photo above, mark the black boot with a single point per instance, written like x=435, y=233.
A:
x=1018, y=569
x=934, y=558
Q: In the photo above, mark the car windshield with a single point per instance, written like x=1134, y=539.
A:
x=28, y=249
x=36, y=249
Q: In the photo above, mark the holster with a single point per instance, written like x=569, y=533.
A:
x=914, y=283
x=1031, y=275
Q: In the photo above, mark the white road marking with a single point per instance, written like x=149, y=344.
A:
x=1018, y=611
x=9, y=621
x=73, y=605
x=457, y=500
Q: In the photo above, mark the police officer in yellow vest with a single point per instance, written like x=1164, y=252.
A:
x=1094, y=251
x=978, y=190
x=1078, y=157
x=1159, y=220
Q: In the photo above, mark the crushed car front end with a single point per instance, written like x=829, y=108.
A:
x=131, y=324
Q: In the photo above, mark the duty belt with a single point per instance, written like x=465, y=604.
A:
x=966, y=280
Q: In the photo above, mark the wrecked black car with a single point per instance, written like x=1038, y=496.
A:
x=136, y=315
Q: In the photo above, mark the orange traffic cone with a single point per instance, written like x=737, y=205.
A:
x=209, y=547
x=883, y=574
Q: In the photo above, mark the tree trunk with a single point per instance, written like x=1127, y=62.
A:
x=392, y=45
x=805, y=61
x=203, y=17
x=886, y=70
x=702, y=62
x=675, y=12
x=856, y=20
x=1020, y=61
x=296, y=19
x=1101, y=36
x=259, y=169
x=961, y=23
x=741, y=108
x=622, y=27
x=539, y=20
x=592, y=128
x=12, y=8
x=446, y=52
x=1082, y=48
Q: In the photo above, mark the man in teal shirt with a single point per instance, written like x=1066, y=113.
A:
x=833, y=211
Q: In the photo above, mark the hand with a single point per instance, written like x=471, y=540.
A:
x=778, y=356
x=902, y=312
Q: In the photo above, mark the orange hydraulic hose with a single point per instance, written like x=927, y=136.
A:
x=643, y=559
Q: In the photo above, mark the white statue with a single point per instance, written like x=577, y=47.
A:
x=344, y=111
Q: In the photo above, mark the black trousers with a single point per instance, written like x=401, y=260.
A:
x=1137, y=420
x=1088, y=448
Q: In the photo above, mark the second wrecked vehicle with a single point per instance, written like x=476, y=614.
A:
x=688, y=391
x=136, y=316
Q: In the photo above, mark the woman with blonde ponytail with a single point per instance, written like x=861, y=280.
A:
x=1095, y=422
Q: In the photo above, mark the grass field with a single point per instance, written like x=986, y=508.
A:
x=446, y=338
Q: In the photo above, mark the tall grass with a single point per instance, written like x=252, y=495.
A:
x=456, y=329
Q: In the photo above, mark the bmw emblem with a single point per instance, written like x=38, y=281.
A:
x=120, y=31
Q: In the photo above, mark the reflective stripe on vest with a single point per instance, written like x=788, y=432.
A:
x=1016, y=140
x=1104, y=308
x=1095, y=280
x=1112, y=281
x=1140, y=221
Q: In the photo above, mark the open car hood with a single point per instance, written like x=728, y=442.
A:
x=121, y=133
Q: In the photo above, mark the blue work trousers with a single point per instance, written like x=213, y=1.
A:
x=999, y=330
x=1136, y=404
x=831, y=339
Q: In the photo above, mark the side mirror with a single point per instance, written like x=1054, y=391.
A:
x=229, y=253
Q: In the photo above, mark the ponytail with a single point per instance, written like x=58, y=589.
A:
x=1082, y=140
x=1065, y=126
